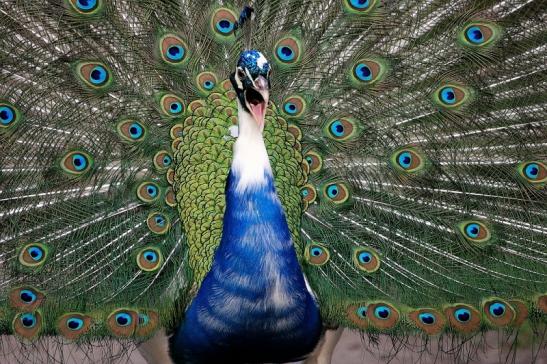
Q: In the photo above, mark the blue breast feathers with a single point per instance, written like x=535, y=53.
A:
x=253, y=305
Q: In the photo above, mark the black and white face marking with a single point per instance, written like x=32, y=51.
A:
x=251, y=80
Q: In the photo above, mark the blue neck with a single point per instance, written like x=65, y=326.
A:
x=253, y=305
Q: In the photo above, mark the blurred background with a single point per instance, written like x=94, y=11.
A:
x=490, y=348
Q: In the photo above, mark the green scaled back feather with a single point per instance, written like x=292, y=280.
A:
x=407, y=141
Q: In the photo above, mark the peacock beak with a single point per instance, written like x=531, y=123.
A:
x=256, y=98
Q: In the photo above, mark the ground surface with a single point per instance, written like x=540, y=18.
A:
x=351, y=350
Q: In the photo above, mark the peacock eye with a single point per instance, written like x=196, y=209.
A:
x=382, y=312
x=206, y=81
x=341, y=129
x=448, y=95
x=361, y=312
x=497, y=309
x=76, y=162
x=148, y=192
x=366, y=70
x=366, y=259
x=308, y=193
x=28, y=320
x=27, y=296
x=287, y=50
x=451, y=96
x=158, y=223
x=223, y=22
x=33, y=255
x=172, y=105
x=534, y=172
x=75, y=323
x=462, y=315
x=479, y=34
x=337, y=192
x=294, y=106
x=407, y=160
x=9, y=115
x=162, y=160
x=149, y=259
x=427, y=318
x=172, y=49
x=317, y=254
x=474, y=231
x=94, y=74
x=130, y=130
x=85, y=7
x=314, y=160
x=359, y=6
x=123, y=319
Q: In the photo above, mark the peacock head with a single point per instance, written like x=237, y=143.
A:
x=251, y=80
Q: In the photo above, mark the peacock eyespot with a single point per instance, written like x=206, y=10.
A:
x=451, y=96
x=359, y=6
x=382, y=312
x=308, y=193
x=357, y=314
x=131, y=130
x=287, y=50
x=341, y=129
x=534, y=172
x=384, y=315
x=170, y=198
x=426, y=318
x=147, y=323
x=223, y=22
x=172, y=105
x=498, y=312
x=314, y=161
x=407, y=160
x=27, y=324
x=28, y=320
x=76, y=162
x=366, y=259
x=95, y=75
x=294, y=106
x=463, y=318
x=123, y=322
x=86, y=7
x=158, y=223
x=25, y=298
x=149, y=259
x=366, y=72
x=163, y=160
x=33, y=255
x=206, y=81
x=462, y=315
x=317, y=254
x=474, y=231
x=479, y=34
x=73, y=325
x=497, y=309
x=337, y=192
x=148, y=192
x=173, y=50
x=123, y=319
x=9, y=115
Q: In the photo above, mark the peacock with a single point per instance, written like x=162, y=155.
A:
x=236, y=182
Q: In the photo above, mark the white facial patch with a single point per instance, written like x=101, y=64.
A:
x=261, y=61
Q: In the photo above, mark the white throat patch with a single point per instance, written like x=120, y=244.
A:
x=251, y=162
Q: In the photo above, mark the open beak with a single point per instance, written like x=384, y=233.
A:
x=256, y=98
